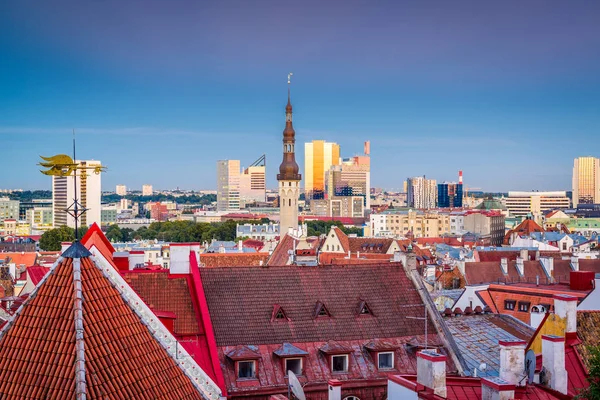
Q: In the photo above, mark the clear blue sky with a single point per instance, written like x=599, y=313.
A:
x=508, y=91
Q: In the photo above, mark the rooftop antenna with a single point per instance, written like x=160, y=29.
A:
x=423, y=318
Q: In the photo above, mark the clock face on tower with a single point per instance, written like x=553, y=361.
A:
x=288, y=117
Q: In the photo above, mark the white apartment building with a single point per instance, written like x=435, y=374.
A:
x=228, y=185
x=419, y=223
x=121, y=190
x=421, y=192
x=253, y=183
x=147, y=190
x=88, y=194
x=521, y=204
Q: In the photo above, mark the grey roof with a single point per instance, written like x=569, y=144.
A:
x=477, y=338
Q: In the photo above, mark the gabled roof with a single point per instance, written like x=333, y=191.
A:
x=37, y=273
x=525, y=228
x=83, y=331
x=244, y=297
x=20, y=258
x=94, y=235
x=289, y=350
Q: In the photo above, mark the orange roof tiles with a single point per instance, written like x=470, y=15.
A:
x=123, y=359
x=233, y=259
x=20, y=258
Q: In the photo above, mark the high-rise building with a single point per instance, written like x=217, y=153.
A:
x=88, y=195
x=586, y=181
x=319, y=156
x=253, y=182
x=121, y=190
x=450, y=194
x=288, y=177
x=9, y=209
x=228, y=185
x=351, y=178
x=522, y=204
x=421, y=192
x=147, y=190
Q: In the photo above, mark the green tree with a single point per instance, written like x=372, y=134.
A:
x=593, y=391
x=114, y=233
x=51, y=240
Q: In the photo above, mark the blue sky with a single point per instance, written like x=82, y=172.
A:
x=508, y=91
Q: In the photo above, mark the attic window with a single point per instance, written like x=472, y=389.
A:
x=278, y=314
x=524, y=306
x=321, y=310
x=509, y=304
x=363, y=309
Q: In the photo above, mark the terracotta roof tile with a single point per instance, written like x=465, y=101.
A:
x=20, y=258
x=233, y=259
x=122, y=357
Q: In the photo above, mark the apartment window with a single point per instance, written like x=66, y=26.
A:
x=564, y=246
x=246, y=369
x=294, y=365
x=339, y=363
x=524, y=306
x=385, y=360
x=509, y=304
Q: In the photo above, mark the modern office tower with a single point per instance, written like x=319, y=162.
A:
x=253, y=186
x=421, y=192
x=288, y=176
x=319, y=156
x=88, y=195
x=147, y=190
x=450, y=194
x=586, y=181
x=522, y=204
x=9, y=209
x=351, y=178
x=228, y=185
x=121, y=190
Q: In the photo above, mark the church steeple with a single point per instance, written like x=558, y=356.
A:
x=288, y=170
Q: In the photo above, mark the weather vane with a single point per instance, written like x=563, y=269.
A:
x=290, y=76
x=64, y=165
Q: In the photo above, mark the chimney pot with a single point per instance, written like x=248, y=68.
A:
x=553, y=363
x=565, y=307
x=431, y=371
x=494, y=388
x=512, y=361
x=335, y=389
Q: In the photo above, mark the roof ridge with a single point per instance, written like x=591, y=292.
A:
x=180, y=356
x=80, y=382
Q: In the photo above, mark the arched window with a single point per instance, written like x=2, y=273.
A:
x=351, y=398
x=290, y=202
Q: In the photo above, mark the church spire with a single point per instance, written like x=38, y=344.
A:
x=288, y=170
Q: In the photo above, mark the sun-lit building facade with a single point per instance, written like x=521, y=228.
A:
x=586, y=181
x=319, y=156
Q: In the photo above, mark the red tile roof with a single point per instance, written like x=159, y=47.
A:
x=37, y=273
x=20, y=258
x=524, y=228
x=123, y=359
x=245, y=298
x=233, y=259
x=489, y=272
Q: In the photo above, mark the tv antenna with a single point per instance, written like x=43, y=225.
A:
x=423, y=318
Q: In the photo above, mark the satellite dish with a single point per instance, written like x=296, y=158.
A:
x=482, y=367
x=530, y=365
x=295, y=386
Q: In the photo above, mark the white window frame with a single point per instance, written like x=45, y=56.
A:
x=253, y=369
x=379, y=362
x=301, y=365
x=346, y=363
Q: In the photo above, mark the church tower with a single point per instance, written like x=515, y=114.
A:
x=288, y=177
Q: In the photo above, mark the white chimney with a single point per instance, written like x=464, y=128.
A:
x=565, y=307
x=553, y=363
x=135, y=258
x=520, y=266
x=397, y=256
x=548, y=265
x=512, y=361
x=504, y=265
x=494, y=388
x=349, y=254
x=335, y=389
x=461, y=267
x=358, y=254
x=524, y=254
x=431, y=371
x=575, y=263
x=180, y=258
x=240, y=246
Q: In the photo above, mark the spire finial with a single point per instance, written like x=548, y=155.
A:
x=289, y=82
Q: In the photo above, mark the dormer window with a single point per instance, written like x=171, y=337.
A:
x=339, y=363
x=294, y=365
x=385, y=360
x=321, y=310
x=246, y=369
x=278, y=314
x=363, y=309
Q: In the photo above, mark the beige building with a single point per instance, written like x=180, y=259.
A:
x=228, y=185
x=121, y=190
x=399, y=224
x=147, y=190
x=253, y=186
x=339, y=206
x=586, y=181
x=319, y=156
x=487, y=224
x=351, y=178
x=521, y=204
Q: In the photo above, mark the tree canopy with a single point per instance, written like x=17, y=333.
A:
x=317, y=228
x=51, y=240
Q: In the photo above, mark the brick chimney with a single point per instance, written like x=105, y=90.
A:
x=554, y=374
x=431, y=371
x=512, y=361
x=565, y=306
x=494, y=388
x=335, y=389
x=504, y=265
